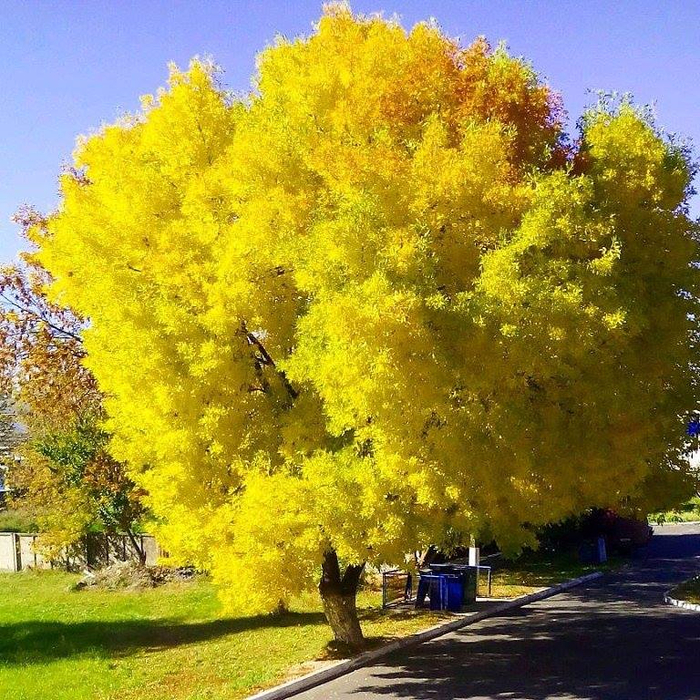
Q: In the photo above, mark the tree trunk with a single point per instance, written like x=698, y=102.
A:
x=339, y=599
x=140, y=551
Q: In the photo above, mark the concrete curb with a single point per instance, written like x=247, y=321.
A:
x=311, y=680
x=680, y=603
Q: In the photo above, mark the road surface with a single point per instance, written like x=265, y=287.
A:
x=611, y=639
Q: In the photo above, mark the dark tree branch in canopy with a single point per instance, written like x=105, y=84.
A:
x=267, y=359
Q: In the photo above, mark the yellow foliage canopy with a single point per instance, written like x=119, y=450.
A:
x=378, y=302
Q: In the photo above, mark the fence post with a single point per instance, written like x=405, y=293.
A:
x=18, y=551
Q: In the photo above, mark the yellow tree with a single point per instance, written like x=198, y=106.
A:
x=378, y=304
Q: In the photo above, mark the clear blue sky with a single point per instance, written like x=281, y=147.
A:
x=68, y=66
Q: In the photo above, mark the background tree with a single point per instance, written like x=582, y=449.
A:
x=61, y=471
x=377, y=304
x=9, y=439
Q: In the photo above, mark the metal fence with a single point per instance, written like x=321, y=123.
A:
x=487, y=569
x=397, y=588
x=19, y=551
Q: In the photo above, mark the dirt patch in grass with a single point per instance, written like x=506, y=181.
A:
x=132, y=576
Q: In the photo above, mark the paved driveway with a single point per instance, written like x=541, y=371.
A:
x=613, y=638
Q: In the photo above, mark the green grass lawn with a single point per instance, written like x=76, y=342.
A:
x=528, y=574
x=172, y=642
x=165, y=643
x=688, y=512
x=688, y=591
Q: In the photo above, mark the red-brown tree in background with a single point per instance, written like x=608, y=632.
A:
x=61, y=472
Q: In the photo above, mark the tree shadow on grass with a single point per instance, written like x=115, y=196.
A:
x=38, y=641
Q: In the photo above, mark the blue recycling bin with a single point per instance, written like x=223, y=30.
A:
x=468, y=576
x=455, y=592
x=423, y=588
x=436, y=590
x=444, y=590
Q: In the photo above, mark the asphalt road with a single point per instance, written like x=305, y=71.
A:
x=611, y=639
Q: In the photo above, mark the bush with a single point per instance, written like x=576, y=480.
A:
x=16, y=520
x=621, y=533
x=688, y=512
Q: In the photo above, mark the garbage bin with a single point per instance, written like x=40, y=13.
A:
x=471, y=579
x=435, y=587
x=445, y=591
x=423, y=587
x=468, y=576
x=593, y=552
x=455, y=592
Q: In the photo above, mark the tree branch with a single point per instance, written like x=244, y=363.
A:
x=41, y=318
x=267, y=359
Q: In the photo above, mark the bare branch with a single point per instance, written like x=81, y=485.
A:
x=38, y=316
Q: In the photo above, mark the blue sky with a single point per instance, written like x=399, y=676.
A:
x=66, y=67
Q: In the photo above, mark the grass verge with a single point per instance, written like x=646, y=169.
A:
x=688, y=591
x=688, y=512
x=529, y=574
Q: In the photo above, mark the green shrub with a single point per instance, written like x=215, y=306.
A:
x=16, y=520
x=688, y=512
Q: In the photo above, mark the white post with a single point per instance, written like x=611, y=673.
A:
x=474, y=556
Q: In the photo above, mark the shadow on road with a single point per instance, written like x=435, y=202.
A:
x=612, y=639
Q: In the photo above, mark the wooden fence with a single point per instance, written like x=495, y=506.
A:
x=19, y=551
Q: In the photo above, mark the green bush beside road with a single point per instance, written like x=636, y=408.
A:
x=688, y=512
